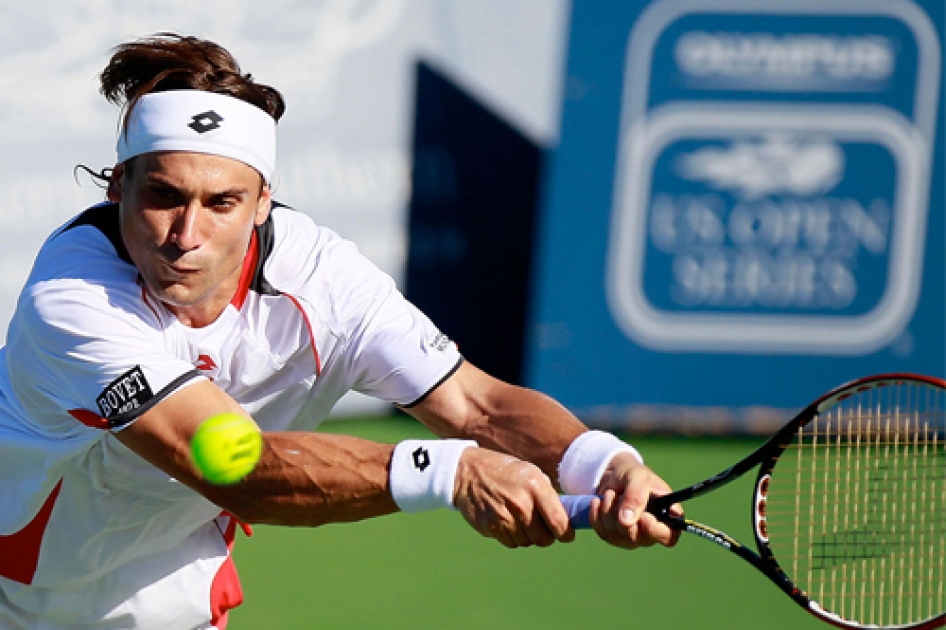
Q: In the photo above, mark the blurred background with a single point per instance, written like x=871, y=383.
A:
x=684, y=219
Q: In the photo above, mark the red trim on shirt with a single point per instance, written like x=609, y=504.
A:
x=226, y=593
x=308, y=325
x=90, y=419
x=246, y=275
x=19, y=552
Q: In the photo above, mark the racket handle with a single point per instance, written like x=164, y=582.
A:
x=578, y=507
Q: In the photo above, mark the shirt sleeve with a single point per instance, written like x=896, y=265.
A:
x=396, y=352
x=390, y=350
x=91, y=350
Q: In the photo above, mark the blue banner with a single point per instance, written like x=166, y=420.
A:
x=745, y=209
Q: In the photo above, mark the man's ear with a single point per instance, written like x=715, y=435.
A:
x=263, y=205
x=114, y=191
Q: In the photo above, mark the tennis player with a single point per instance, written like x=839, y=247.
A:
x=190, y=292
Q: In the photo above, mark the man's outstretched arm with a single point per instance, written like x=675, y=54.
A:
x=536, y=431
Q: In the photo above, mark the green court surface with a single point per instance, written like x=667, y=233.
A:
x=432, y=570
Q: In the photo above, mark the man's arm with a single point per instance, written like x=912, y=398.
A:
x=311, y=479
x=302, y=478
x=499, y=416
x=515, y=502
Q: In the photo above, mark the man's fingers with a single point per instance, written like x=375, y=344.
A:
x=501, y=534
x=620, y=517
x=527, y=521
x=654, y=531
x=553, y=516
x=630, y=507
x=604, y=520
x=501, y=525
x=674, y=538
x=542, y=518
x=510, y=500
x=668, y=536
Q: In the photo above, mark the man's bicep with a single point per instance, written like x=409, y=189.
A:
x=458, y=404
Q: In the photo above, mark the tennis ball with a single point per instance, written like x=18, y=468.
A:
x=226, y=447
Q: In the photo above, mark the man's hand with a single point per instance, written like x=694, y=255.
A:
x=619, y=517
x=510, y=500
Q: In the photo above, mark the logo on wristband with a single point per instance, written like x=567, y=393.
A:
x=421, y=458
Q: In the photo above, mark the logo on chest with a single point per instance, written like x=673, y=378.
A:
x=126, y=393
x=206, y=364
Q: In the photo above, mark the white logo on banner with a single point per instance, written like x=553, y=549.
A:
x=775, y=164
x=799, y=60
x=731, y=230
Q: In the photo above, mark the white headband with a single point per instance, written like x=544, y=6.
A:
x=202, y=122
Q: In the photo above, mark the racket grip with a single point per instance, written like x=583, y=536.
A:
x=578, y=507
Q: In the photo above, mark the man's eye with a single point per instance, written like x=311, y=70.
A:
x=167, y=194
x=225, y=204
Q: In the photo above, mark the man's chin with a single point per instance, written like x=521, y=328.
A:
x=175, y=296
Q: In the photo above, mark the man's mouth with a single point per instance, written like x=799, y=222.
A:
x=182, y=270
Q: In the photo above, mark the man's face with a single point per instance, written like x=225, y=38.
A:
x=186, y=220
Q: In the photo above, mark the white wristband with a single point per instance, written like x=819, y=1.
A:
x=423, y=473
x=586, y=459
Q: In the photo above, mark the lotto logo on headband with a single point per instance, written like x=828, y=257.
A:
x=207, y=121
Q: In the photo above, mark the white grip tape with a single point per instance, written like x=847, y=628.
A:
x=423, y=473
x=586, y=459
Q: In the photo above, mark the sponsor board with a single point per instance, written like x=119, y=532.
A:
x=743, y=191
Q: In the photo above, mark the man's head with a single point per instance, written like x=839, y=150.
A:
x=195, y=157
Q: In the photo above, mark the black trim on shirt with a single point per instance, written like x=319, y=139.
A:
x=265, y=238
x=122, y=420
x=103, y=217
x=452, y=371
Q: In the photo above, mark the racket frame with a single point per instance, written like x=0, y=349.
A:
x=765, y=457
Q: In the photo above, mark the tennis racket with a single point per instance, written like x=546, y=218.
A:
x=849, y=506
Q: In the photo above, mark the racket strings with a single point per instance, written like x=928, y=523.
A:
x=856, y=506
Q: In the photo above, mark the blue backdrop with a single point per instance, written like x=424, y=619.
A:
x=746, y=208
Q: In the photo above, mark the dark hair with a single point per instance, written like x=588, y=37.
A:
x=167, y=61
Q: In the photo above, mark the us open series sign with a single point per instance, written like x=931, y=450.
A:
x=742, y=190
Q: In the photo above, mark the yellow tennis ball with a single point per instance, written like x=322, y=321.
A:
x=226, y=447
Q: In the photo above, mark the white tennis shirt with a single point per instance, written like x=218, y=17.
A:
x=89, y=350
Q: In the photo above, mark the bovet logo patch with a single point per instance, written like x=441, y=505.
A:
x=127, y=392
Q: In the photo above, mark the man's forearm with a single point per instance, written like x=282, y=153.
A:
x=311, y=479
x=531, y=426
